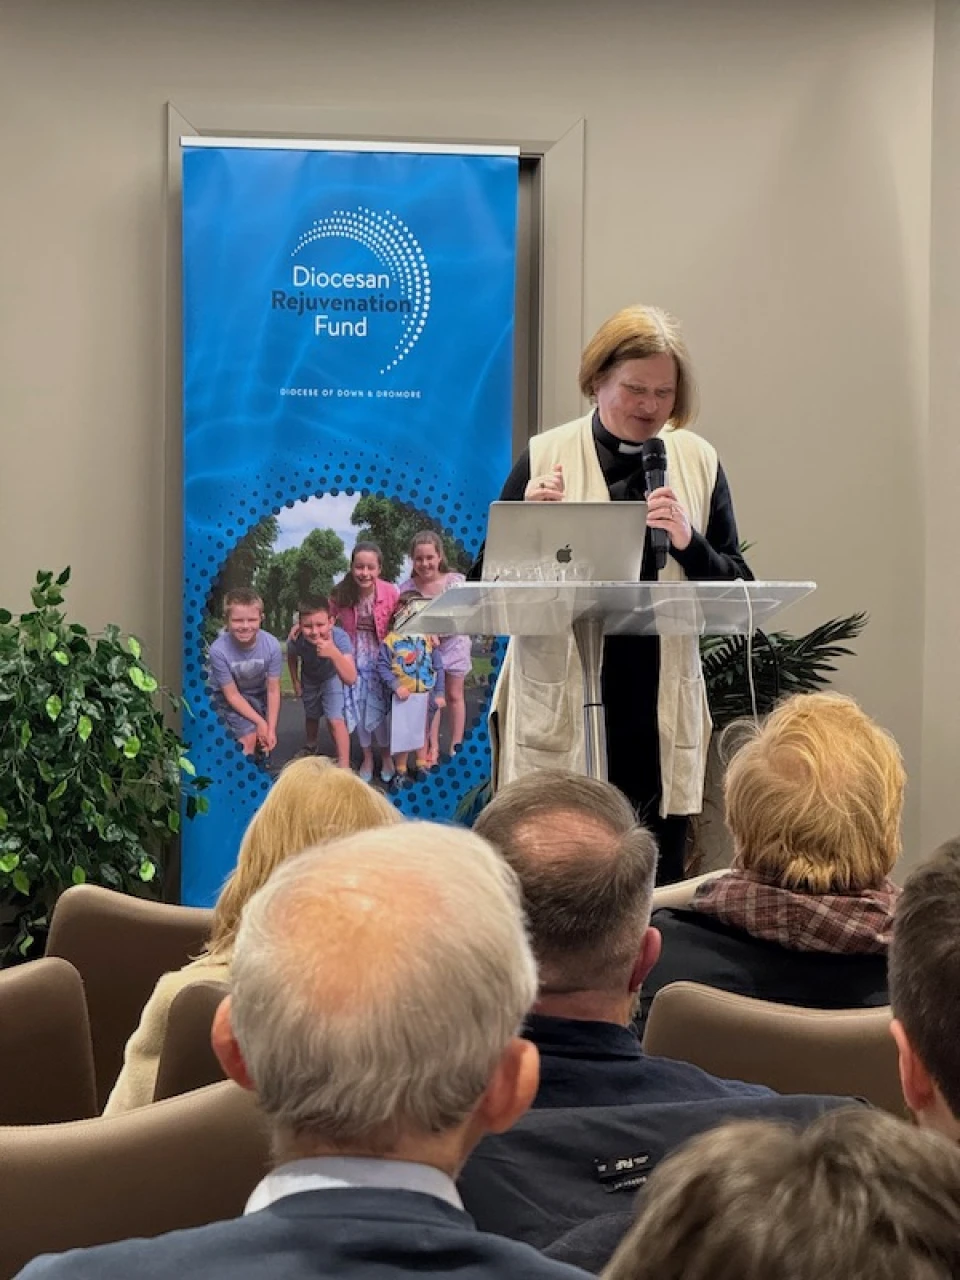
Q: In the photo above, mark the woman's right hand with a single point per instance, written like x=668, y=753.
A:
x=548, y=488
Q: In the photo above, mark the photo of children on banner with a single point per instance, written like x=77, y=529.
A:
x=346, y=664
x=321, y=664
x=363, y=606
x=411, y=668
x=432, y=576
x=245, y=663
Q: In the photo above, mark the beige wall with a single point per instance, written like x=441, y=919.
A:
x=940, y=759
x=762, y=169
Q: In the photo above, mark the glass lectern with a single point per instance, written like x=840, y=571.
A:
x=592, y=610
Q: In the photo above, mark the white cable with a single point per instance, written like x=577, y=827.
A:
x=750, y=681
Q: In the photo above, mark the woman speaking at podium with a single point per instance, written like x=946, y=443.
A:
x=636, y=370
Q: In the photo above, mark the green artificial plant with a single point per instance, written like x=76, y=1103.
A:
x=91, y=775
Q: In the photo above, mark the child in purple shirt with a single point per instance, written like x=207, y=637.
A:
x=245, y=665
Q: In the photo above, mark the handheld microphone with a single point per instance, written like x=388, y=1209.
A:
x=654, y=457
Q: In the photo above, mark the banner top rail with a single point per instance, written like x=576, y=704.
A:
x=329, y=144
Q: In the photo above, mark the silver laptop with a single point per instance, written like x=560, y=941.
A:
x=564, y=542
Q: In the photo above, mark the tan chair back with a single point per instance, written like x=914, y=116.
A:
x=180, y=1163
x=187, y=1060
x=120, y=945
x=837, y=1051
x=46, y=1057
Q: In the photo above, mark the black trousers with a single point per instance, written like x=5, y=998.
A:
x=630, y=682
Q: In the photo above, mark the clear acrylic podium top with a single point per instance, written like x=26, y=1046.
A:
x=626, y=608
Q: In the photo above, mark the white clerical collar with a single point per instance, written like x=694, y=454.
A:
x=612, y=442
x=324, y=1173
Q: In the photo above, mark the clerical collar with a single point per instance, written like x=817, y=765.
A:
x=610, y=441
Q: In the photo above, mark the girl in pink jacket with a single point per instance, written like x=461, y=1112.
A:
x=363, y=606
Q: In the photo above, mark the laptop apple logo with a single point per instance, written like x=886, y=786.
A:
x=564, y=554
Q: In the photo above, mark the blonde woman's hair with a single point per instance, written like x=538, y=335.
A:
x=634, y=334
x=311, y=801
x=815, y=796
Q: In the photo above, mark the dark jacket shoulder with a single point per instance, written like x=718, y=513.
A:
x=591, y=1245
x=560, y=1167
x=315, y=1234
x=596, y=1064
x=699, y=948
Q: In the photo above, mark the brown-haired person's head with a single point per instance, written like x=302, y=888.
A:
x=637, y=369
x=586, y=869
x=311, y=801
x=428, y=556
x=858, y=1195
x=315, y=616
x=815, y=796
x=366, y=566
x=924, y=964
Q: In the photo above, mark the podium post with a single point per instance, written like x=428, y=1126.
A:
x=592, y=610
x=588, y=634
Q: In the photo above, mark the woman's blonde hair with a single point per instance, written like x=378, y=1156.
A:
x=634, y=334
x=814, y=797
x=311, y=801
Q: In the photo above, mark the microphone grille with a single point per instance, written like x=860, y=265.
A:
x=654, y=454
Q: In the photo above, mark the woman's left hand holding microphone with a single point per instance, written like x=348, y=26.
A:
x=665, y=512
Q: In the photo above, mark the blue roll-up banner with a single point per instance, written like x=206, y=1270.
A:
x=348, y=341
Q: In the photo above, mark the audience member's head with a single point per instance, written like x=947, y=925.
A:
x=858, y=1195
x=378, y=986
x=814, y=797
x=924, y=961
x=586, y=870
x=310, y=801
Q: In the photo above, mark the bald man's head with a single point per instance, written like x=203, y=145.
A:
x=376, y=982
x=586, y=869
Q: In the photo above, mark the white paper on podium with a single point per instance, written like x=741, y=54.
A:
x=408, y=723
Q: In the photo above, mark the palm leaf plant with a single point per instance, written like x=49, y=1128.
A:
x=782, y=664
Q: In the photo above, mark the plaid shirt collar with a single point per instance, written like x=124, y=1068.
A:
x=838, y=923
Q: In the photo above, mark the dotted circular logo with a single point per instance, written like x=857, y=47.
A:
x=396, y=248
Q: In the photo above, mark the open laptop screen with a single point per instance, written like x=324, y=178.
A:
x=564, y=541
